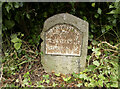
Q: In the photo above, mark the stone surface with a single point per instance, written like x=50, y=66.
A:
x=64, y=46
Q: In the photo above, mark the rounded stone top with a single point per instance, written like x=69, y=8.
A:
x=67, y=19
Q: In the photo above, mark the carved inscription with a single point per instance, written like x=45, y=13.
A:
x=63, y=39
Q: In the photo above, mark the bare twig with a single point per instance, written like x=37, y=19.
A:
x=20, y=79
x=117, y=44
x=111, y=50
x=111, y=46
x=29, y=51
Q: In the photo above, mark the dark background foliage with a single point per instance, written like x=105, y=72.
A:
x=28, y=18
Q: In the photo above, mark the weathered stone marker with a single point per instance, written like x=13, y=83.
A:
x=64, y=46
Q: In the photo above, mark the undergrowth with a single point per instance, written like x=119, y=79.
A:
x=21, y=68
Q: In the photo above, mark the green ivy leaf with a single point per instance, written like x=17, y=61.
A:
x=99, y=11
x=47, y=81
x=46, y=76
x=83, y=76
x=67, y=79
x=111, y=6
x=17, y=45
x=98, y=53
x=57, y=74
x=90, y=47
x=16, y=5
x=96, y=63
x=112, y=12
x=85, y=18
x=75, y=75
x=115, y=84
x=94, y=49
x=25, y=81
x=9, y=23
x=19, y=33
x=80, y=84
x=27, y=73
x=54, y=84
x=100, y=82
x=90, y=84
x=28, y=16
x=45, y=14
x=91, y=67
x=7, y=7
x=10, y=4
x=94, y=42
x=96, y=15
x=14, y=40
x=22, y=34
x=93, y=4
x=101, y=77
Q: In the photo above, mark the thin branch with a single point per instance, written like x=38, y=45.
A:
x=111, y=50
x=111, y=46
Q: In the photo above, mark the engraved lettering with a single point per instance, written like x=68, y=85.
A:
x=63, y=39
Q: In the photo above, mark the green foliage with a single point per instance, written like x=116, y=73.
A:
x=54, y=84
x=57, y=74
x=79, y=85
x=116, y=7
x=96, y=51
x=96, y=63
x=11, y=85
x=66, y=79
x=102, y=72
x=28, y=18
x=17, y=42
x=103, y=66
x=93, y=4
x=99, y=11
x=46, y=76
x=23, y=22
x=26, y=80
x=9, y=23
